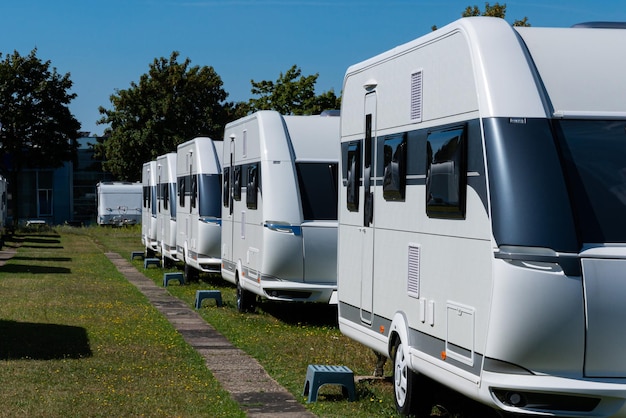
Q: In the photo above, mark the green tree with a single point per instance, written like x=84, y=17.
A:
x=37, y=127
x=497, y=10
x=292, y=94
x=171, y=104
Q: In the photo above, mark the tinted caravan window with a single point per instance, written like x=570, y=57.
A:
x=194, y=190
x=237, y=183
x=181, y=191
x=353, y=174
x=594, y=158
x=252, y=186
x=394, y=172
x=209, y=189
x=318, y=190
x=446, y=174
x=172, y=192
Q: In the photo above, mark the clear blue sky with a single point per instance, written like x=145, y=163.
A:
x=106, y=44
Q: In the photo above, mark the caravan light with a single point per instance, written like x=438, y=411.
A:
x=370, y=85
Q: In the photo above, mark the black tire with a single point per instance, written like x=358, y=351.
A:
x=165, y=262
x=191, y=274
x=246, y=301
x=404, y=383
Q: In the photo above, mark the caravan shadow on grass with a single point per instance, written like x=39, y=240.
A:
x=33, y=269
x=294, y=313
x=40, y=240
x=43, y=247
x=55, y=259
x=27, y=340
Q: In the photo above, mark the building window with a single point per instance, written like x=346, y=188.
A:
x=44, y=202
x=44, y=193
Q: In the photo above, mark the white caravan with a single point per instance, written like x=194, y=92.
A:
x=482, y=239
x=118, y=203
x=279, y=208
x=166, y=208
x=198, y=171
x=149, y=209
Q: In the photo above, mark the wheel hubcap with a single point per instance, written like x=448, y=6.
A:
x=400, y=376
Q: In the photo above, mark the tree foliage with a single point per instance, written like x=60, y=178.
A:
x=497, y=10
x=171, y=104
x=38, y=129
x=291, y=94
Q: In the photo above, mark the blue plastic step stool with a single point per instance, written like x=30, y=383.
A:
x=136, y=254
x=151, y=262
x=208, y=294
x=319, y=375
x=173, y=276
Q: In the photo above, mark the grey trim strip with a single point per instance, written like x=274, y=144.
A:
x=425, y=343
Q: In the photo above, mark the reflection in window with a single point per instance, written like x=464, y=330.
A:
x=181, y=191
x=594, y=158
x=194, y=190
x=353, y=175
x=318, y=190
x=171, y=195
x=44, y=202
x=394, y=173
x=208, y=195
x=237, y=183
x=146, y=196
x=446, y=174
x=252, y=186
x=226, y=187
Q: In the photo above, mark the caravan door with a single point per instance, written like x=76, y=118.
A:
x=368, y=176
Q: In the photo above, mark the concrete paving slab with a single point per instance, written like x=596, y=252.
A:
x=240, y=374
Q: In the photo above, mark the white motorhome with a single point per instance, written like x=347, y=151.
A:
x=482, y=239
x=118, y=203
x=166, y=208
x=149, y=208
x=279, y=208
x=198, y=170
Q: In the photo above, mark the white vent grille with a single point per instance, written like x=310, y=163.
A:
x=244, y=147
x=413, y=276
x=416, y=96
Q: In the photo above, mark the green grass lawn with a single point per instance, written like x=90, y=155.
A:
x=94, y=346
x=284, y=338
x=78, y=340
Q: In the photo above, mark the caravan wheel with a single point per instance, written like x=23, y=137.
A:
x=165, y=262
x=246, y=301
x=404, y=382
x=191, y=274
